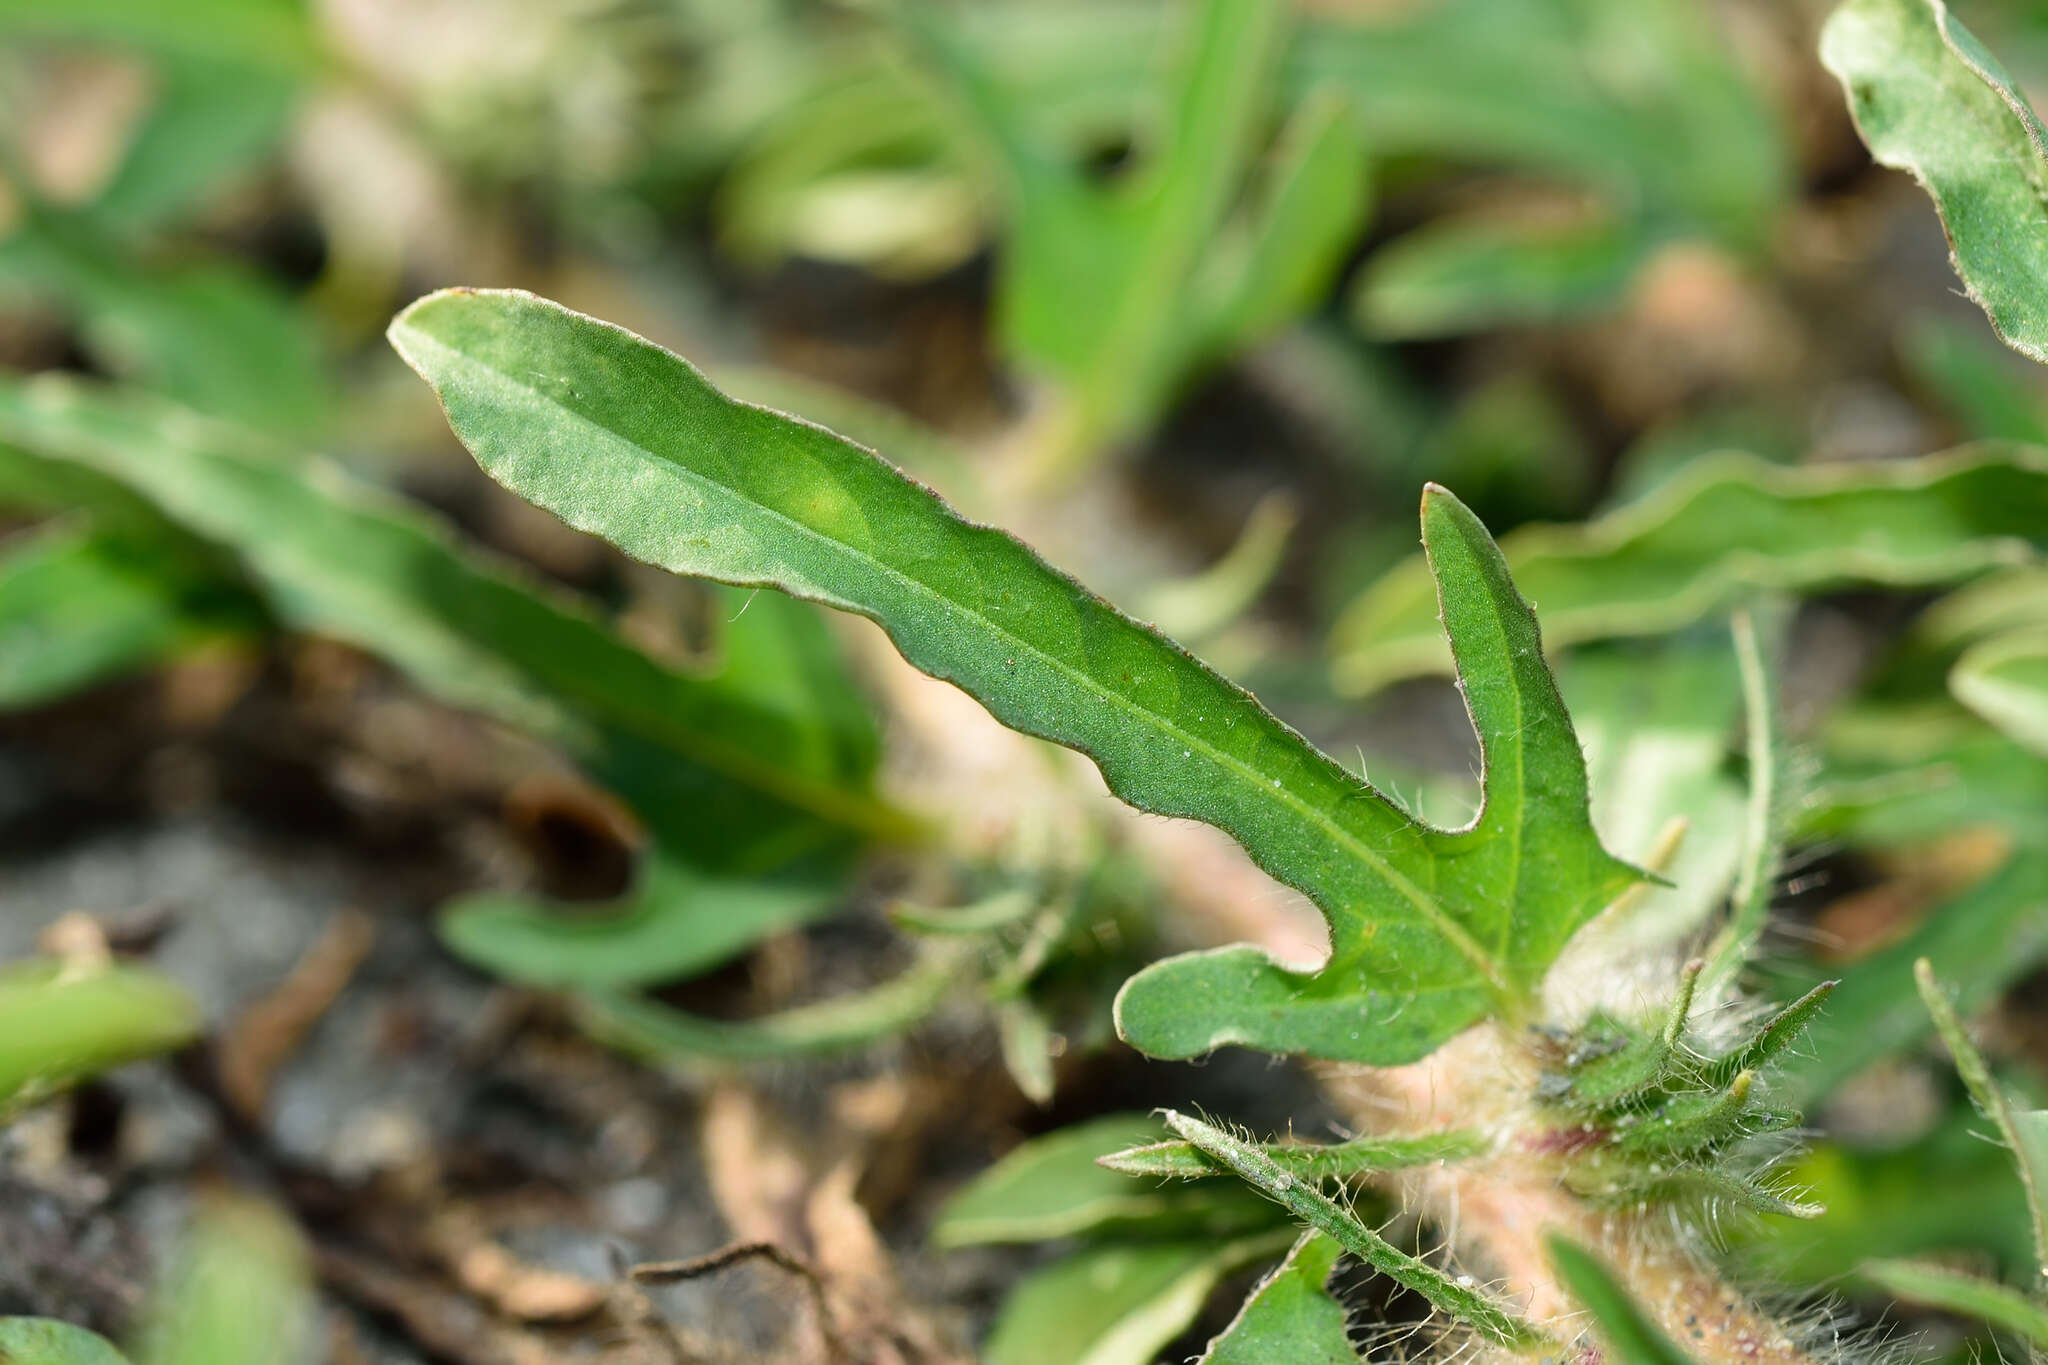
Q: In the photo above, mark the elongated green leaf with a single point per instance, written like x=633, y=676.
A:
x=1727, y=528
x=1878, y=1206
x=276, y=34
x=1983, y=939
x=1965, y=1295
x=1931, y=100
x=2024, y=1132
x=1117, y=1304
x=1302, y=1198
x=1627, y=1330
x=1909, y=773
x=59, y=1025
x=1336, y=1161
x=239, y=1292
x=704, y=759
x=210, y=121
x=2005, y=680
x=1449, y=278
x=78, y=608
x=42, y=1341
x=660, y=1033
x=1053, y=1186
x=1430, y=930
x=1290, y=1318
x=203, y=332
x=1116, y=292
x=674, y=923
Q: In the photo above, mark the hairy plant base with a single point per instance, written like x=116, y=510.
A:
x=1495, y=1214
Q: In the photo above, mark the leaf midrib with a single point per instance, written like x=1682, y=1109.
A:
x=1454, y=933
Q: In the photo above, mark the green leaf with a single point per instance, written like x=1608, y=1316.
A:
x=1290, y=1318
x=704, y=760
x=276, y=34
x=60, y=1024
x=2024, y=1132
x=1335, y=1161
x=1628, y=1331
x=78, y=607
x=1655, y=720
x=1430, y=930
x=210, y=121
x=2005, y=680
x=1447, y=278
x=676, y=922
x=1053, y=1186
x=1964, y=1295
x=1877, y=1206
x=1727, y=528
x=1311, y=1206
x=1984, y=939
x=42, y=1341
x=1117, y=292
x=1931, y=100
x=1909, y=773
x=661, y=1033
x=1965, y=371
x=1117, y=1304
x=206, y=333
x=239, y=1293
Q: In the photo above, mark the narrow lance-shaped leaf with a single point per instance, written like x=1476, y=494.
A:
x=1729, y=527
x=334, y=557
x=1965, y=1295
x=2024, y=1132
x=1290, y=1318
x=1623, y=1325
x=1932, y=100
x=1430, y=929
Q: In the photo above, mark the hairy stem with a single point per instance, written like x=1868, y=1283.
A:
x=1497, y=1215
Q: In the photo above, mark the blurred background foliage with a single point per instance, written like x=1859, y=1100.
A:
x=1191, y=296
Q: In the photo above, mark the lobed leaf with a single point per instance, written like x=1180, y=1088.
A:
x=1727, y=528
x=1430, y=929
x=1931, y=100
x=1290, y=1318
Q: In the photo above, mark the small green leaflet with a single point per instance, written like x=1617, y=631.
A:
x=1931, y=100
x=1290, y=1318
x=1965, y=1295
x=1431, y=930
x=1725, y=529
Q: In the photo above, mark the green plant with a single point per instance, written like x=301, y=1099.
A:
x=1433, y=931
